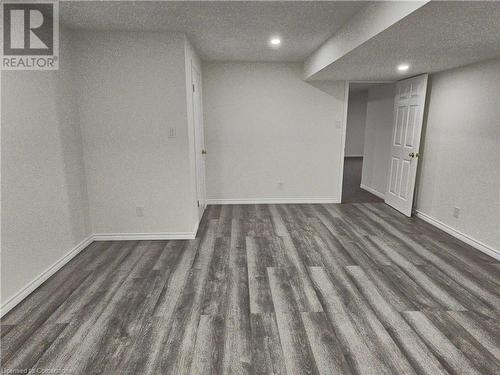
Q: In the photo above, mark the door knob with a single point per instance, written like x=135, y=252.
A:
x=413, y=154
x=203, y=152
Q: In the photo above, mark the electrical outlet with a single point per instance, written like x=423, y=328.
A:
x=281, y=185
x=139, y=211
x=172, y=133
x=456, y=212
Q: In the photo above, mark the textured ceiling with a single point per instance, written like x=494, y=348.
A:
x=438, y=36
x=221, y=30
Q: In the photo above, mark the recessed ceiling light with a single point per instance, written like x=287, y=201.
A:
x=275, y=41
x=403, y=67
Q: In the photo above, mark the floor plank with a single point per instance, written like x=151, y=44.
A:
x=443, y=348
x=296, y=289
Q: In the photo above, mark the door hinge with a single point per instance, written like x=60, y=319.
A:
x=198, y=202
x=193, y=87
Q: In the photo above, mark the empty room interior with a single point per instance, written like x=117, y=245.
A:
x=250, y=187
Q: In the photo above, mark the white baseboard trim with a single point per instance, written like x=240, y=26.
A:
x=147, y=236
x=273, y=201
x=488, y=250
x=144, y=236
x=373, y=191
x=41, y=278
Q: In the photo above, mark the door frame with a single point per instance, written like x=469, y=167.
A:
x=344, y=129
x=342, y=138
x=201, y=194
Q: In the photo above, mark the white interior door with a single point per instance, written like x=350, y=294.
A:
x=409, y=106
x=199, y=139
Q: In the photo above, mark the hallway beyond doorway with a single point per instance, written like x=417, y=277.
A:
x=351, y=190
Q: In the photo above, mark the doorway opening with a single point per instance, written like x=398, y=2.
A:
x=382, y=141
x=367, y=141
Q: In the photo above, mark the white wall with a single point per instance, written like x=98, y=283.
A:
x=44, y=199
x=356, y=121
x=379, y=114
x=265, y=125
x=460, y=164
x=82, y=146
x=132, y=88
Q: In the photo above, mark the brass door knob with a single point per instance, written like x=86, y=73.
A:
x=203, y=152
x=413, y=154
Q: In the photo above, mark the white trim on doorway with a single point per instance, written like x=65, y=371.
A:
x=342, y=140
x=344, y=133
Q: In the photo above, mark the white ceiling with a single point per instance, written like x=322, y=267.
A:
x=438, y=36
x=221, y=30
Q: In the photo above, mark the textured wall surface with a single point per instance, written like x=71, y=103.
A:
x=44, y=198
x=460, y=165
x=266, y=126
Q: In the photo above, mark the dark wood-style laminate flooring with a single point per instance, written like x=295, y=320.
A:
x=269, y=289
x=351, y=189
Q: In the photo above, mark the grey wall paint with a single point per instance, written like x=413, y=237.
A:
x=356, y=123
x=460, y=166
x=44, y=198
